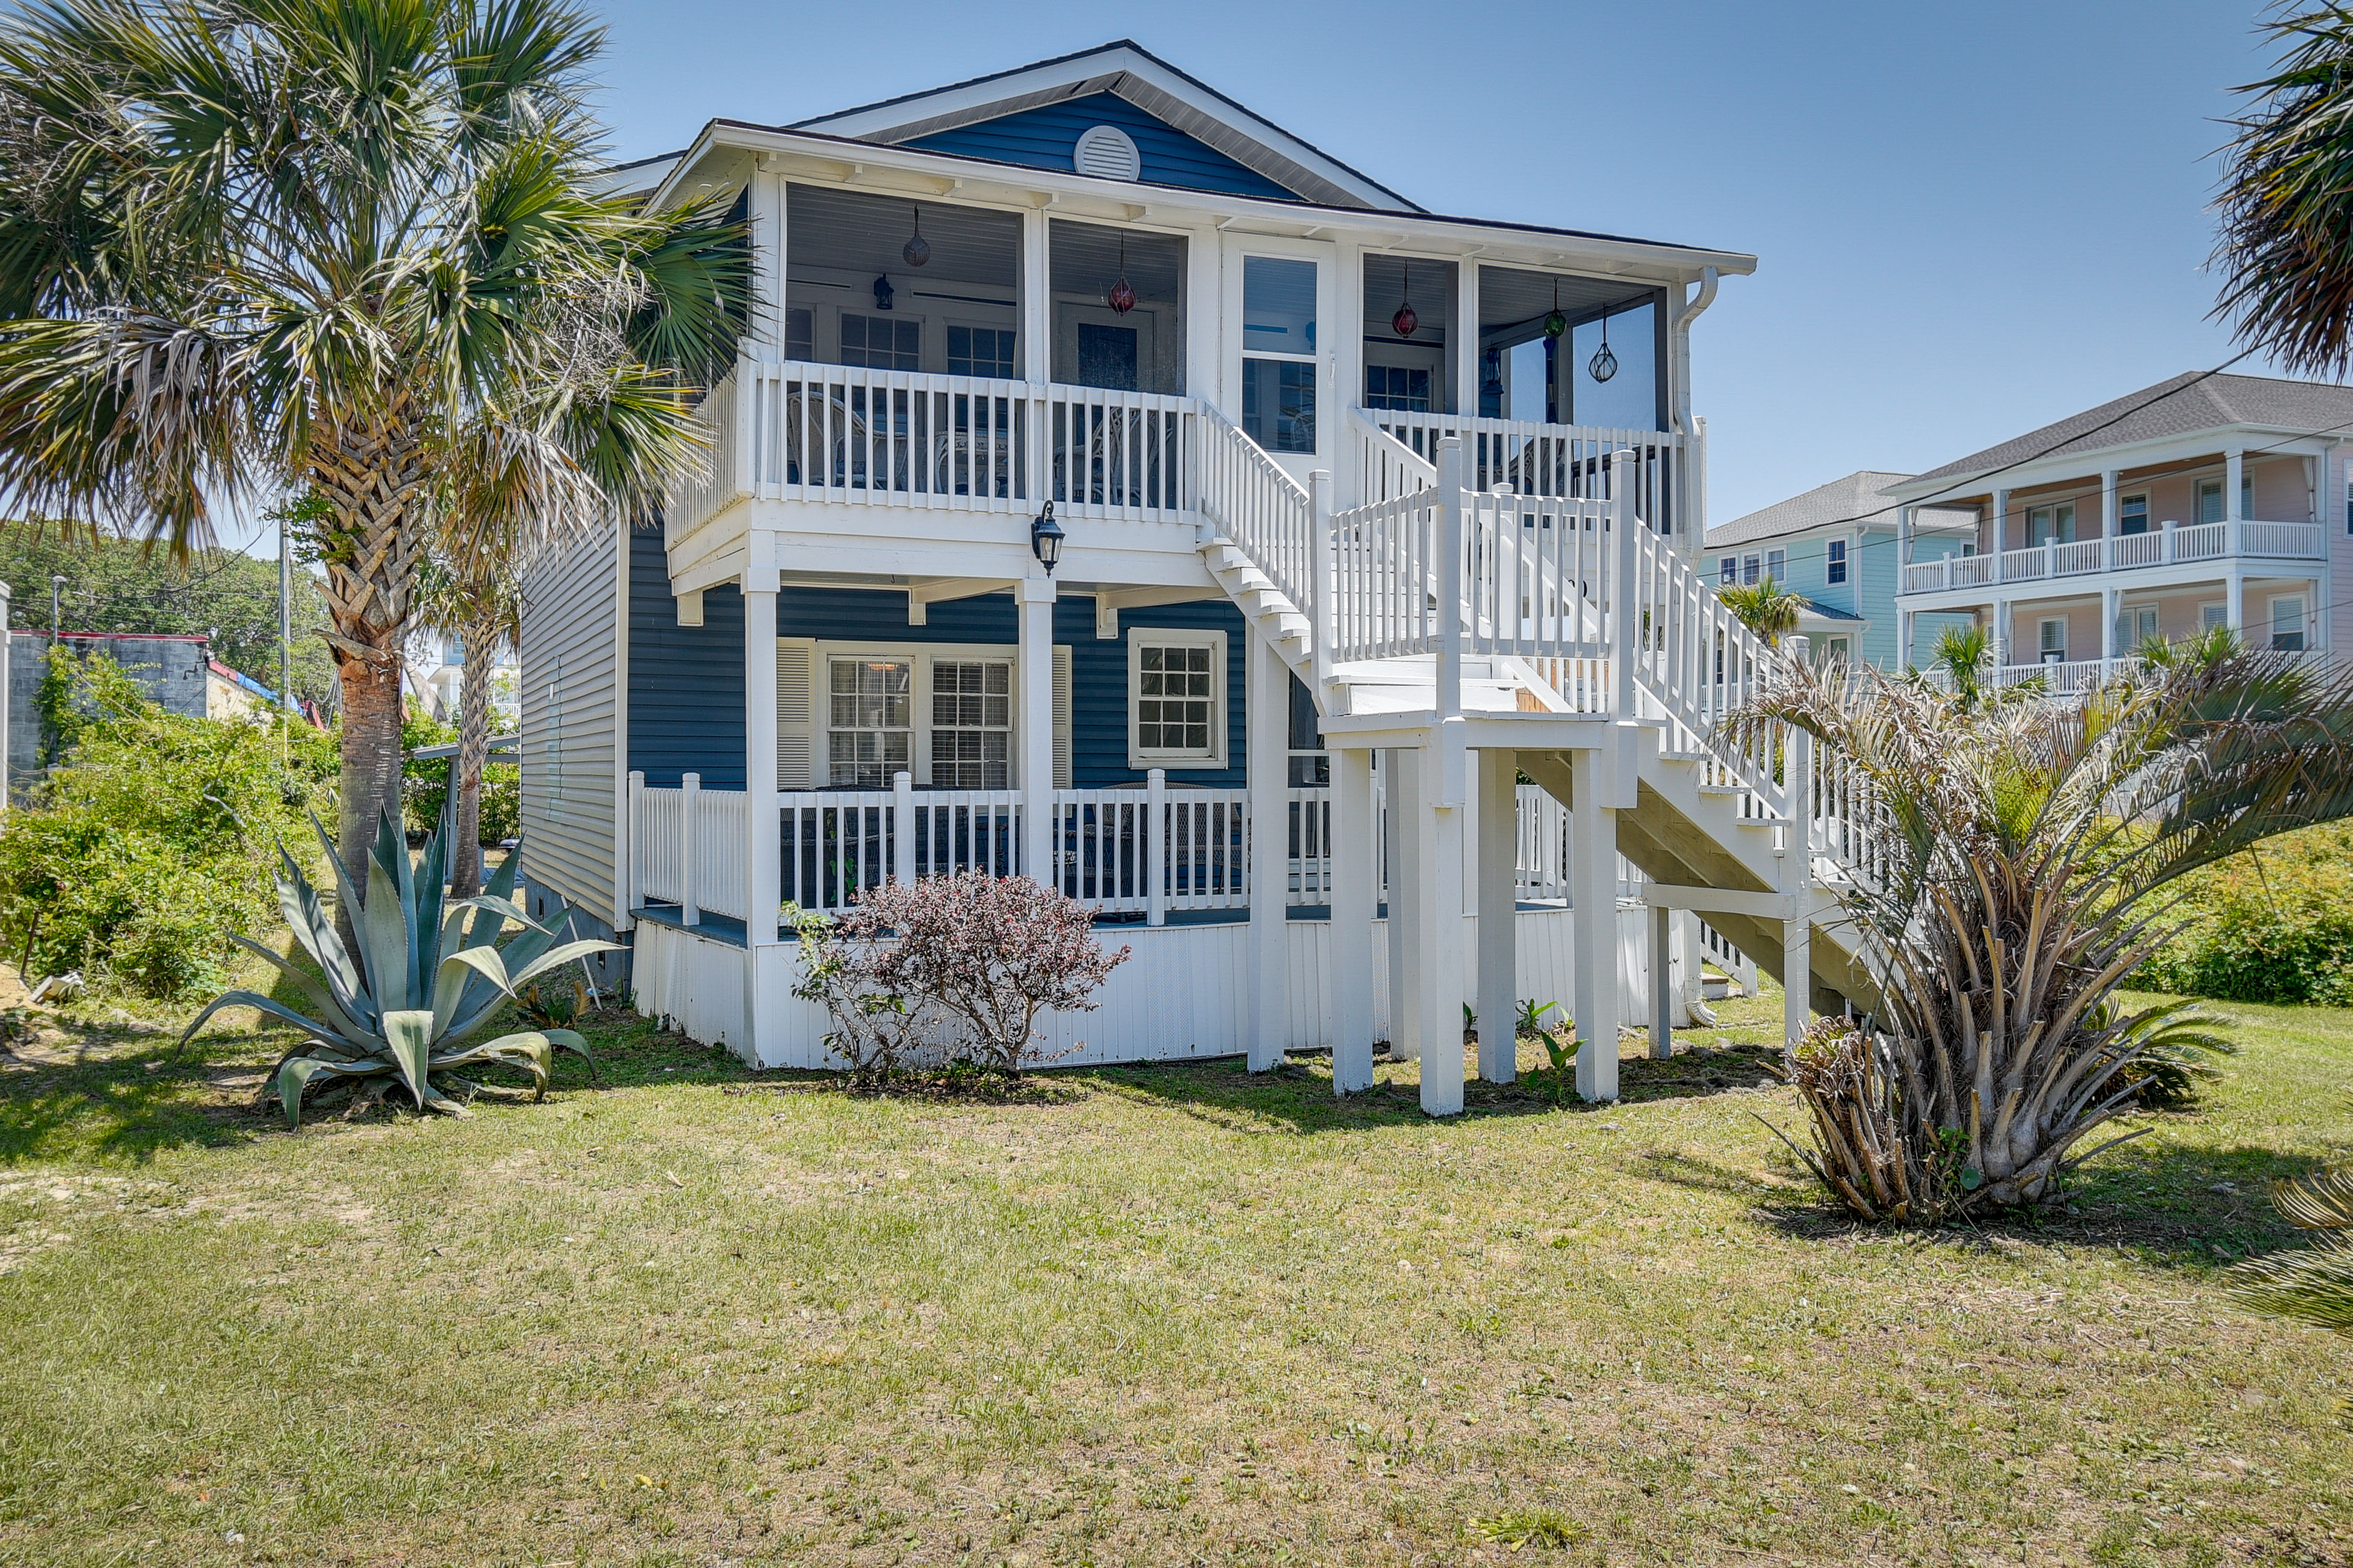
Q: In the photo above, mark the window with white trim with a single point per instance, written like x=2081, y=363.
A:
x=2287, y=622
x=1728, y=571
x=2052, y=645
x=1279, y=364
x=972, y=723
x=1177, y=689
x=2217, y=614
x=1836, y=570
x=881, y=342
x=1777, y=566
x=870, y=730
x=1751, y=568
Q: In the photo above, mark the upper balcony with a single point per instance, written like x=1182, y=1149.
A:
x=936, y=373
x=2171, y=544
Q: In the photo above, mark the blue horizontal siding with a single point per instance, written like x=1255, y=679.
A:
x=1046, y=137
x=686, y=683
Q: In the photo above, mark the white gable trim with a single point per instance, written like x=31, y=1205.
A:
x=1153, y=86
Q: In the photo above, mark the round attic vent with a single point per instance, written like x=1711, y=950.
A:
x=1107, y=151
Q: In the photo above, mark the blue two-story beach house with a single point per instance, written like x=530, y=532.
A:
x=1119, y=490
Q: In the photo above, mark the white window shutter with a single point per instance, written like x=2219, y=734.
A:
x=796, y=712
x=1062, y=716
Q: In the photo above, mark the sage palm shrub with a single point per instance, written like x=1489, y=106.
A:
x=2033, y=852
x=959, y=964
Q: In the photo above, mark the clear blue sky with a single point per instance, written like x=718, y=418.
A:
x=1969, y=220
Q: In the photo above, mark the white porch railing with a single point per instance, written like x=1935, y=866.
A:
x=688, y=846
x=2170, y=545
x=1584, y=462
x=1251, y=501
x=717, y=482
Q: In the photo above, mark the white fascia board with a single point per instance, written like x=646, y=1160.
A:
x=830, y=159
x=1082, y=75
x=2275, y=441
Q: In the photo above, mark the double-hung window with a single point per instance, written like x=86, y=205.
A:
x=869, y=723
x=1751, y=568
x=2287, y=622
x=1835, y=570
x=1279, y=353
x=981, y=350
x=2132, y=514
x=2051, y=524
x=1397, y=387
x=1728, y=571
x=881, y=342
x=1177, y=699
x=972, y=723
x=1777, y=566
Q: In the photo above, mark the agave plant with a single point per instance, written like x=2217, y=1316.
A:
x=430, y=974
x=2029, y=858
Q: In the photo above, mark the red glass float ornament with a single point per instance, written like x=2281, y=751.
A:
x=1122, y=297
x=1405, y=322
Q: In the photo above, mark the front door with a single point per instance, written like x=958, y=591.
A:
x=1277, y=364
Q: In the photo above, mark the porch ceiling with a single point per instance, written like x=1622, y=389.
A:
x=861, y=232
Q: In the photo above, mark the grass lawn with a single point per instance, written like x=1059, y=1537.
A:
x=1157, y=1316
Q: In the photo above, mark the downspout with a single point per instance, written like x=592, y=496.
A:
x=1694, y=530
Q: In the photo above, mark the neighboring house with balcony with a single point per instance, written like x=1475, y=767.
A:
x=2207, y=499
x=436, y=667
x=1118, y=489
x=1834, y=546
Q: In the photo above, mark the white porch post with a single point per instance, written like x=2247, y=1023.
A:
x=1036, y=302
x=1499, y=844
x=2234, y=601
x=1462, y=336
x=2234, y=476
x=1355, y=862
x=763, y=831
x=1662, y=983
x=2002, y=627
x=690, y=838
x=1035, y=711
x=2000, y=531
x=1409, y=921
x=1267, y=692
x=1798, y=881
x=1438, y=957
x=1593, y=872
x=2108, y=513
x=2109, y=610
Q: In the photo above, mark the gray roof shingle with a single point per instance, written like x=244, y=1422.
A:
x=2185, y=403
x=1854, y=499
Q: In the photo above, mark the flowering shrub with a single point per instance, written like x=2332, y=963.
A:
x=956, y=965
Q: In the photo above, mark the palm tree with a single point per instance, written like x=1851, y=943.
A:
x=348, y=249
x=483, y=607
x=1766, y=608
x=2286, y=251
x=2027, y=854
x=2314, y=1284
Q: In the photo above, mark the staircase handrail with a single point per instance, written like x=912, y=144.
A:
x=1254, y=502
x=1385, y=466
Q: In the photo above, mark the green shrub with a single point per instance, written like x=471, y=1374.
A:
x=425, y=784
x=151, y=834
x=2273, y=924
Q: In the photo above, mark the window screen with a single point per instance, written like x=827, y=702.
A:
x=1396, y=386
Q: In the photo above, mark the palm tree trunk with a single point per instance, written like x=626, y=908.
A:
x=371, y=470
x=473, y=749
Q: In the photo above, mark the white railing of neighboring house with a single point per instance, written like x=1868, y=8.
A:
x=1584, y=462
x=2172, y=544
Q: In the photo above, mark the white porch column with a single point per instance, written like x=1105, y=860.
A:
x=1036, y=302
x=1798, y=881
x=1463, y=337
x=2110, y=609
x=1593, y=876
x=1498, y=862
x=1662, y=983
x=1355, y=886
x=1267, y=693
x=2000, y=531
x=765, y=333
x=1905, y=638
x=2108, y=513
x=1034, y=711
x=2234, y=603
x=2001, y=624
x=763, y=885
x=2234, y=474
x=1438, y=957
x=1401, y=771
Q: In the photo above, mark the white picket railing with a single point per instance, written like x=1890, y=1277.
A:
x=717, y=482
x=1386, y=466
x=1120, y=455
x=2172, y=544
x=687, y=846
x=1251, y=501
x=1584, y=462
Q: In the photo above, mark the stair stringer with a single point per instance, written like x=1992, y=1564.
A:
x=1680, y=836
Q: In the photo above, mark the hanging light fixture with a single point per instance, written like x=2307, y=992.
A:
x=1603, y=364
x=1554, y=323
x=917, y=250
x=1405, y=322
x=1122, y=297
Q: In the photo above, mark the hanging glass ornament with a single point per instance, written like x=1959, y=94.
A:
x=1554, y=323
x=917, y=250
x=1405, y=322
x=1604, y=364
x=1122, y=297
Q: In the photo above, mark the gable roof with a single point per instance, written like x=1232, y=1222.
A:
x=2181, y=405
x=1855, y=500
x=1123, y=68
